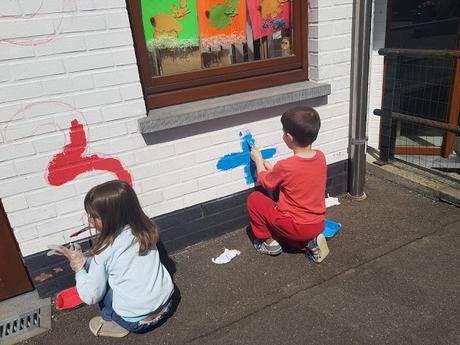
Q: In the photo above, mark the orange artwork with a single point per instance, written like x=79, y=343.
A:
x=221, y=22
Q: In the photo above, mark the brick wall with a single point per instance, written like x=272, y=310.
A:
x=376, y=70
x=71, y=60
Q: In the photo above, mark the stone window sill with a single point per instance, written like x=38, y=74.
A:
x=214, y=108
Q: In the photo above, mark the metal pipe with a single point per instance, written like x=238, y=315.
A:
x=361, y=40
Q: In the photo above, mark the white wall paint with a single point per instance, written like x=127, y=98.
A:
x=376, y=70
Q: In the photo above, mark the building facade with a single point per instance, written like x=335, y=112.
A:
x=75, y=112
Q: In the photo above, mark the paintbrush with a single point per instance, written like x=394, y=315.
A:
x=246, y=134
x=80, y=231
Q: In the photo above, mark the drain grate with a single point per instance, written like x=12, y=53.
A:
x=18, y=325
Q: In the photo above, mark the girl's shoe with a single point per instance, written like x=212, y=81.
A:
x=317, y=249
x=102, y=328
x=273, y=248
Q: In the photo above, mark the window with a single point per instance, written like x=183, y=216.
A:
x=196, y=49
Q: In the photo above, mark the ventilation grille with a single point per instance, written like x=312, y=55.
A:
x=19, y=325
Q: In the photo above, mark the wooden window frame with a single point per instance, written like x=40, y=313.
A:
x=162, y=91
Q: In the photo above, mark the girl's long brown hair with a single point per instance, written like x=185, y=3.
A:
x=116, y=204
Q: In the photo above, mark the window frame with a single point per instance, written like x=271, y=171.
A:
x=160, y=91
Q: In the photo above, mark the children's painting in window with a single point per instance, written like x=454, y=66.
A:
x=190, y=35
x=221, y=23
x=171, y=35
x=268, y=16
x=170, y=23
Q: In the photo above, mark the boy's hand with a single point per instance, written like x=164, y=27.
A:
x=268, y=165
x=256, y=156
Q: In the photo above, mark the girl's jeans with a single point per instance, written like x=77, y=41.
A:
x=108, y=314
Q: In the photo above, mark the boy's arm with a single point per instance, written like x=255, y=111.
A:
x=256, y=156
x=270, y=179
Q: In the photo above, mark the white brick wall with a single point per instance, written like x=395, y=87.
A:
x=330, y=25
x=376, y=72
x=78, y=62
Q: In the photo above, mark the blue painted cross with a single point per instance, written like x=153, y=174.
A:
x=237, y=159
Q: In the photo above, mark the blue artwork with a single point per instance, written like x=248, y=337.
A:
x=237, y=159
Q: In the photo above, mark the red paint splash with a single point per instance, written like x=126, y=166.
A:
x=70, y=163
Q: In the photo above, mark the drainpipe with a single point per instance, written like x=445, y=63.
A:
x=361, y=39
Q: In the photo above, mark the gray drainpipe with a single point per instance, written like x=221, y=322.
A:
x=361, y=39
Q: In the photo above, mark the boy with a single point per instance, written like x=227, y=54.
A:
x=298, y=216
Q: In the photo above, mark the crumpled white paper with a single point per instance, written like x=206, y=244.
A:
x=226, y=256
x=331, y=201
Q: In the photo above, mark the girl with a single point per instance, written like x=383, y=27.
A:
x=124, y=273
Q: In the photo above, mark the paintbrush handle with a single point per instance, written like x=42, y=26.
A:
x=80, y=231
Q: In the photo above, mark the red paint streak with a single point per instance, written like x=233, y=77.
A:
x=70, y=163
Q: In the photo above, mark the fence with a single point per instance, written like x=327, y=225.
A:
x=420, y=109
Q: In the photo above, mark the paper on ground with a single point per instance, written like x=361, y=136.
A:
x=226, y=256
x=331, y=201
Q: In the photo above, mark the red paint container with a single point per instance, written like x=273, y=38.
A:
x=68, y=299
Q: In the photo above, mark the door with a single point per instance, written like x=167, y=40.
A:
x=430, y=88
x=14, y=279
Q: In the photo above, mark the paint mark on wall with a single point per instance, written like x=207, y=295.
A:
x=46, y=38
x=42, y=277
x=71, y=162
x=236, y=159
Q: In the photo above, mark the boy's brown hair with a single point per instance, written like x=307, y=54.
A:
x=303, y=123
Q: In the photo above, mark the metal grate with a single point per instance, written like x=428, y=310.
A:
x=22, y=324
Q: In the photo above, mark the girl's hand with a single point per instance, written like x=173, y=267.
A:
x=268, y=165
x=256, y=156
x=73, y=254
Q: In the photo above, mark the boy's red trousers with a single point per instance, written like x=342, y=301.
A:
x=266, y=221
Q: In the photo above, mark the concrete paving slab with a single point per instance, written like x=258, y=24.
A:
x=391, y=277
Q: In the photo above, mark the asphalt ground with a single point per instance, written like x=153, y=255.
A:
x=392, y=277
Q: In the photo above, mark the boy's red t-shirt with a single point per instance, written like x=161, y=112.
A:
x=302, y=185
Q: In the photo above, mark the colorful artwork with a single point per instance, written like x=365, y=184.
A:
x=268, y=16
x=71, y=162
x=170, y=23
x=221, y=22
x=236, y=159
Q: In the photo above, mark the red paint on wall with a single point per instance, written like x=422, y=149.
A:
x=71, y=162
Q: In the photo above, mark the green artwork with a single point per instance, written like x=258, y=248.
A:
x=170, y=23
x=221, y=15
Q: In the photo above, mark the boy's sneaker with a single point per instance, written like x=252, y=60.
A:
x=273, y=248
x=317, y=249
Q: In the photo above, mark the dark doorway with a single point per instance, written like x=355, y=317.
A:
x=14, y=279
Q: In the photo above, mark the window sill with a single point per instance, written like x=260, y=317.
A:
x=209, y=109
